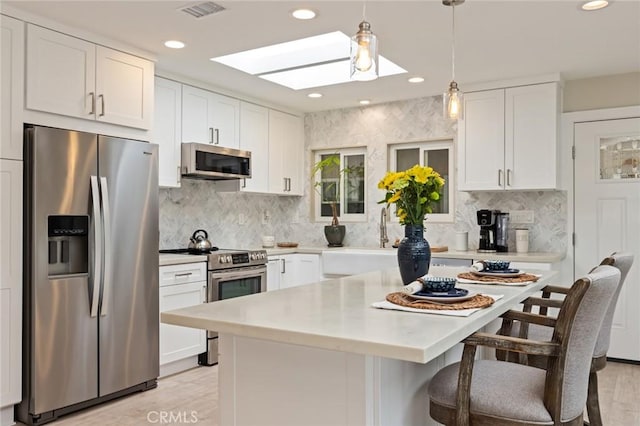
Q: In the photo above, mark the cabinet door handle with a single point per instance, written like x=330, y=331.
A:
x=244, y=183
x=508, y=177
x=183, y=274
x=499, y=177
x=179, y=176
x=283, y=269
x=102, y=105
x=210, y=134
x=289, y=184
x=217, y=132
x=93, y=103
x=285, y=184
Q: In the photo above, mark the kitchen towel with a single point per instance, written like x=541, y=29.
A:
x=459, y=313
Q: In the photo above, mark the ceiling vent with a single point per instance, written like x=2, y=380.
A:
x=200, y=10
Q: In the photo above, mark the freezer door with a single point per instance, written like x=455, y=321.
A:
x=129, y=319
x=62, y=337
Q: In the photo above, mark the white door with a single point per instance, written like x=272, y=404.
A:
x=225, y=120
x=11, y=87
x=124, y=88
x=60, y=73
x=607, y=215
x=10, y=282
x=254, y=137
x=167, y=130
x=196, y=110
x=481, y=142
x=181, y=342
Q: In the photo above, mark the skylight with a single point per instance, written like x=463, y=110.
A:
x=301, y=64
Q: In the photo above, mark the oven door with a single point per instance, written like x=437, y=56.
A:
x=227, y=285
x=236, y=282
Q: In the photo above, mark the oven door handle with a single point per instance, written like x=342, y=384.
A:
x=237, y=275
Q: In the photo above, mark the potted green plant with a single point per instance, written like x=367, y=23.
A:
x=328, y=177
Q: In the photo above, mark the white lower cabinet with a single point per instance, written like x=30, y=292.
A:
x=292, y=270
x=10, y=284
x=181, y=286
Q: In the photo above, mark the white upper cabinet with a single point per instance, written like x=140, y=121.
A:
x=72, y=77
x=167, y=130
x=12, y=87
x=508, y=139
x=254, y=137
x=531, y=136
x=210, y=118
x=286, y=154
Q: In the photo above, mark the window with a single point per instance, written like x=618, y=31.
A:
x=340, y=182
x=435, y=154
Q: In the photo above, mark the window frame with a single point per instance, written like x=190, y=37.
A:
x=425, y=146
x=317, y=201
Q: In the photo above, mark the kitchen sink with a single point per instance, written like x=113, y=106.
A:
x=352, y=261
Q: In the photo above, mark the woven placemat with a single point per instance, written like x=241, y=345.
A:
x=521, y=279
x=403, y=299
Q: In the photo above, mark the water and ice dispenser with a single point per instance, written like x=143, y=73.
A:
x=68, y=245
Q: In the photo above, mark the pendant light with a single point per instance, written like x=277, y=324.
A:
x=364, y=52
x=453, y=98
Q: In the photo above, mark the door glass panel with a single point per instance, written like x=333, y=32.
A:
x=354, y=183
x=619, y=157
x=438, y=159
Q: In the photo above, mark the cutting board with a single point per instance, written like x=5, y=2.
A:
x=439, y=249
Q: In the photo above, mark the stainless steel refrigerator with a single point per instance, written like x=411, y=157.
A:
x=91, y=271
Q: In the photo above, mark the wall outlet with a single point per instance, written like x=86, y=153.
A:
x=265, y=217
x=521, y=216
x=242, y=218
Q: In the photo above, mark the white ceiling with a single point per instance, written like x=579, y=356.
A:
x=495, y=40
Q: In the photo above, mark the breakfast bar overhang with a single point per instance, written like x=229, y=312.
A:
x=319, y=354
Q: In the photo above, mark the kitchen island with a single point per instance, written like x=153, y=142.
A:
x=319, y=354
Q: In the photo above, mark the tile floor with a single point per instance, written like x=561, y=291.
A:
x=191, y=398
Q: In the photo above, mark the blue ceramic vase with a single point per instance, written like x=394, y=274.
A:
x=414, y=254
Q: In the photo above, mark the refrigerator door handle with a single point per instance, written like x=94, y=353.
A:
x=106, y=219
x=97, y=242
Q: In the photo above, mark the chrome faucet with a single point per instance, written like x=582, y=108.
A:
x=383, y=227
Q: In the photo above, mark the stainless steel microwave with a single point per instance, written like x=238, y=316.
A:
x=202, y=161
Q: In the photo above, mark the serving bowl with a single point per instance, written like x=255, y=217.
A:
x=438, y=284
x=496, y=265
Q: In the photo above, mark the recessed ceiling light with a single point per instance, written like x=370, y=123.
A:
x=365, y=102
x=314, y=61
x=315, y=95
x=595, y=5
x=416, y=80
x=174, y=44
x=303, y=14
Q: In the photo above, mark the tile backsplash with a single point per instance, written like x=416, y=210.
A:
x=238, y=220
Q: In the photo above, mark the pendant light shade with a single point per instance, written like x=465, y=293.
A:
x=364, y=54
x=452, y=100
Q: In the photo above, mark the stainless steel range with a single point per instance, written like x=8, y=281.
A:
x=230, y=273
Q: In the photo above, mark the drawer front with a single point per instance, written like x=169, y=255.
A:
x=184, y=273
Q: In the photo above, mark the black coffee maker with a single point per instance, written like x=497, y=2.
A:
x=487, y=222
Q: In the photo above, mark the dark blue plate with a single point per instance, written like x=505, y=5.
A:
x=456, y=292
x=503, y=271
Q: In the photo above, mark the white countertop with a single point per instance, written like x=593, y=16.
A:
x=178, y=259
x=337, y=315
x=533, y=257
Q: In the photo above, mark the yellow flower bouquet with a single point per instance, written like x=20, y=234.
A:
x=413, y=191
